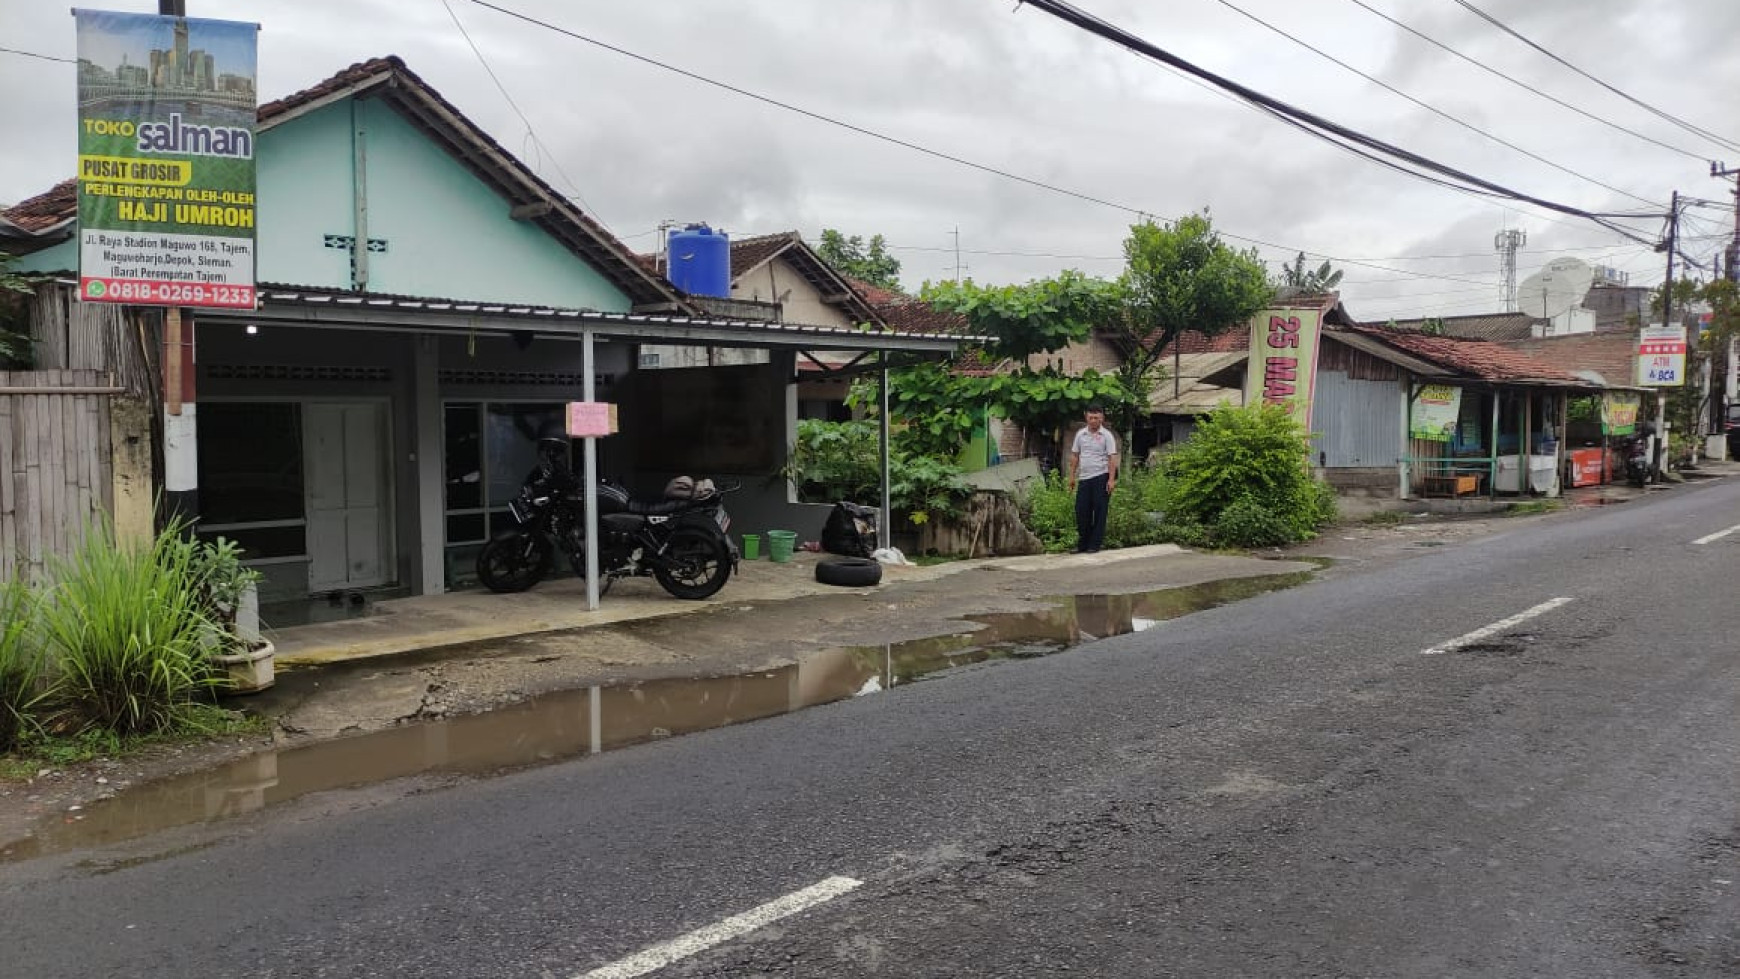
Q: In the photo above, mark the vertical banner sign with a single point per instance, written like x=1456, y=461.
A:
x=1436, y=410
x=1283, y=362
x=1661, y=357
x=1619, y=412
x=166, y=160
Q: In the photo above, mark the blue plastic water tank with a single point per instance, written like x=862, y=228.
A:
x=700, y=261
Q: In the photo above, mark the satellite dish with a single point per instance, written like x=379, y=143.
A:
x=1556, y=288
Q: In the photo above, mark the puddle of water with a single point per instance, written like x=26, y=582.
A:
x=1599, y=501
x=570, y=723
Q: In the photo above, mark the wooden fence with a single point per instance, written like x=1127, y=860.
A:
x=56, y=469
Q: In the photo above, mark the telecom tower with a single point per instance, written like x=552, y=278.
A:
x=1507, y=242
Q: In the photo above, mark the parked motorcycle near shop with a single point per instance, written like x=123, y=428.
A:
x=682, y=541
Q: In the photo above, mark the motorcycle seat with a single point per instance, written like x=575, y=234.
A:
x=659, y=509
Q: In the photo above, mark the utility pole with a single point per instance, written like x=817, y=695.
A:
x=957, y=234
x=1667, y=320
x=1722, y=172
x=1724, y=360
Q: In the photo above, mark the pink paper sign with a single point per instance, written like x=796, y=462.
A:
x=590, y=419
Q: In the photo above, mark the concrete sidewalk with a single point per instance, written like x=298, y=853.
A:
x=426, y=622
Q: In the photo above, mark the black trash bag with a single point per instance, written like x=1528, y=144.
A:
x=850, y=530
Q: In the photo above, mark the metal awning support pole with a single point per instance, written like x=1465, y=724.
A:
x=1492, y=481
x=886, y=518
x=1526, y=451
x=589, y=475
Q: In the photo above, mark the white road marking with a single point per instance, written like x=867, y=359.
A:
x=1495, y=628
x=1718, y=535
x=736, y=926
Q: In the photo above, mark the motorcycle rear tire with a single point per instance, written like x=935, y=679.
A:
x=515, y=562
x=697, y=564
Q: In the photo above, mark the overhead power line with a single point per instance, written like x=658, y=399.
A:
x=1483, y=66
x=530, y=129
x=1662, y=113
x=1336, y=134
x=1235, y=8
x=1139, y=212
x=44, y=57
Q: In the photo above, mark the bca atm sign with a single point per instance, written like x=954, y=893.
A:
x=1661, y=357
x=1283, y=363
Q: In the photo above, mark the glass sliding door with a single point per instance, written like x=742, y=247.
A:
x=490, y=447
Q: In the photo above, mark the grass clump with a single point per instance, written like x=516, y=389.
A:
x=128, y=634
x=21, y=663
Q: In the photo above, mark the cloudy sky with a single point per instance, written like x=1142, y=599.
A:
x=1015, y=89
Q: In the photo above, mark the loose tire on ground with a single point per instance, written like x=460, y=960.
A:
x=849, y=572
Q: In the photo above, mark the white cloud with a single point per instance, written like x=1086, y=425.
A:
x=1022, y=91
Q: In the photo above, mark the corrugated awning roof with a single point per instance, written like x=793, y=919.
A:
x=291, y=306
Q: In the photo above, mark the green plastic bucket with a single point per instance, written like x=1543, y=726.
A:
x=780, y=544
x=751, y=547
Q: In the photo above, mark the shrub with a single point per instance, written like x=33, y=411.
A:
x=1252, y=459
x=834, y=461
x=20, y=662
x=127, y=632
x=1248, y=523
x=1048, y=509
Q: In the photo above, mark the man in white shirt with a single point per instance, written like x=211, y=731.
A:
x=1093, y=474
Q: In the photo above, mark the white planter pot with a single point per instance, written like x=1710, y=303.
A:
x=249, y=672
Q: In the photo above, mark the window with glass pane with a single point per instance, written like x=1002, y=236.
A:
x=250, y=462
x=463, y=435
x=512, y=437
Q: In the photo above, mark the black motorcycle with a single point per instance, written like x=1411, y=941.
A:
x=1639, y=468
x=682, y=542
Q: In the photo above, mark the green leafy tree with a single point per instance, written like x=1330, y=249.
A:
x=15, y=343
x=866, y=260
x=1686, y=292
x=1025, y=322
x=1308, y=281
x=1687, y=405
x=1180, y=277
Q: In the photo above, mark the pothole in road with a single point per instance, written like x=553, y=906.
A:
x=1513, y=644
x=570, y=723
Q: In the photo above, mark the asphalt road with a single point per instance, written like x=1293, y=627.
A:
x=1285, y=787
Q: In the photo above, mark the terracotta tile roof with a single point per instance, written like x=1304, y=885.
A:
x=1196, y=342
x=874, y=294
x=1481, y=359
x=918, y=316
x=343, y=81
x=1611, y=355
x=1480, y=326
x=751, y=253
x=54, y=206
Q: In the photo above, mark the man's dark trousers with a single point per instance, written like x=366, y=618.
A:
x=1091, y=502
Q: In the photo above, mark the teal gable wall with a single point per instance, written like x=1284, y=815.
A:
x=304, y=181
x=448, y=235
x=63, y=257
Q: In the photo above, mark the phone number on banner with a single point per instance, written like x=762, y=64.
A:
x=166, y=293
